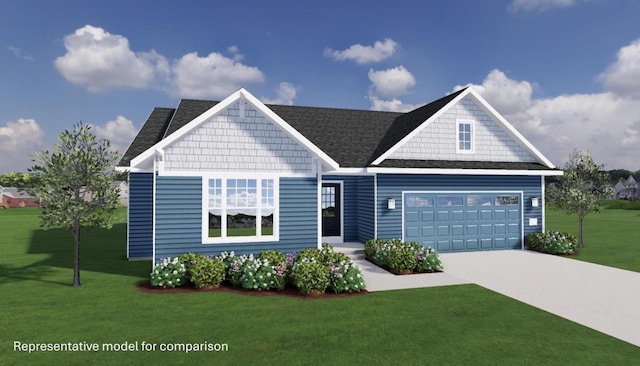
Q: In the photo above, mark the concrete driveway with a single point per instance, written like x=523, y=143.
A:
x=602, y=298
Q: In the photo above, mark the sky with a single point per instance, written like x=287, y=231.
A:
x=565, y=73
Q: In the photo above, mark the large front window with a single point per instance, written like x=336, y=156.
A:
x=238, y=209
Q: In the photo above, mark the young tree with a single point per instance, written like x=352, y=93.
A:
x=580, y=189
x=76, y=185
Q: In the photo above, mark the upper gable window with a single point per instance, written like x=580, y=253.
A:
x=464, y=133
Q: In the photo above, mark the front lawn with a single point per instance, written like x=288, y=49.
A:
x=454, y=325
x=611, y=237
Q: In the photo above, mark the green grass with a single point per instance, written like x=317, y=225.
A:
x=611, y=237
x=454, y=325
x=240, y=231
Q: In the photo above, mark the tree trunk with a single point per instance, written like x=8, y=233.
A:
x=580, y=218
x=76, y=255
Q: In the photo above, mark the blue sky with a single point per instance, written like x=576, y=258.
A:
x=565, y=73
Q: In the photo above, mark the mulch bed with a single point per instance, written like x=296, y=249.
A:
x=145, y=286
x=399, y=273
x=574, y=254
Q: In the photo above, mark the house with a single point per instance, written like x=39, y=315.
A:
x=240, y=175
x=630, y=190
x=123, y=188
x=12, y=197
x=618, y=189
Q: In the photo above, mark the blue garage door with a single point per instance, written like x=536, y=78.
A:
x=458, y=222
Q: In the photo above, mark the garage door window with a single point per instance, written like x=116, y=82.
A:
x=507, y=200
x=477, y=200
x=445, y=201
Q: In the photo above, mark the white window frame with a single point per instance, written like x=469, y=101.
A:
x=472, y=144
x=224, y=239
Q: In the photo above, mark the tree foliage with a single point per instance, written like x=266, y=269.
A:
x=581, y=188
x=76, y=185
x=18, y=180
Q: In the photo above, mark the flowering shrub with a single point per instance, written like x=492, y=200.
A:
x=399, y=256
x=552, y=242
x=310, y=274
x=371, y=246
x=345, y=276
x=259, y=274
x=316, y=254
x=428, y=260
x=168, y=273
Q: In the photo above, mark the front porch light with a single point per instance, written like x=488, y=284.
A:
x=391, y=203
x=535, y=201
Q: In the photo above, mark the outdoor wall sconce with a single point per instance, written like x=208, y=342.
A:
x=391, y=203
x=535, y=201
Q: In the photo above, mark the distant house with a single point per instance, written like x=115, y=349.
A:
x=617, y=190
x=631, y=185
x=124, y=191
x=17, y=197
x=239, y=175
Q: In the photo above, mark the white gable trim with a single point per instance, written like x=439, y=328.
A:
x=489, y=109
x=457, y=171
x=241, y=94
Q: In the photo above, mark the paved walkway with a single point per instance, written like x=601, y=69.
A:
x=602, y=298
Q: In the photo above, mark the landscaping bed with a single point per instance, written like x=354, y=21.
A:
x=402, y=258
x=312, y=272
x=553, y=242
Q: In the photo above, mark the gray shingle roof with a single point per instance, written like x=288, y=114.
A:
x=353, y=138
x=151, y=132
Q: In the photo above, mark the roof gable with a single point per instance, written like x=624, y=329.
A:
x=520, y=145
x=181, y=131
x=151, y=132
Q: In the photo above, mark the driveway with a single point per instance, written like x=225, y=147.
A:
x=602, y=298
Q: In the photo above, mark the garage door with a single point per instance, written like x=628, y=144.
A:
x=451, y=222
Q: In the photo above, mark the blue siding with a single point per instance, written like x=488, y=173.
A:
x=366, y=203
x=179, y=218
x=140, y=220
x=392, y=185
x=358, y=197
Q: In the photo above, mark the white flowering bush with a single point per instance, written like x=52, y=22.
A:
x=345, y=277
x=259, y=274
x=552, y=242
x=168, y=273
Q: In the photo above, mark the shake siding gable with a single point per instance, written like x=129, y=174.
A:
x=392, y=185
x=438, y=140
x=179, y=218
x=239, y=138
x=140, y=225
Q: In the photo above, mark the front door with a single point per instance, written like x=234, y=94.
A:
x=331, y=220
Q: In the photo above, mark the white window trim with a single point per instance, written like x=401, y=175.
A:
x=471, y=123
x=239, y=239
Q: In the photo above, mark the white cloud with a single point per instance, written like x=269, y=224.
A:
x=393, y=105
x=623, y=76
x=603, y=123
x=539, y=5
x=508, y=96
x=365, y=54
x=120, y=132
x=18, y=139
x=101, y=61
x=284, y=96
x=391, y=83
x=214, y=76
x=18, y=53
